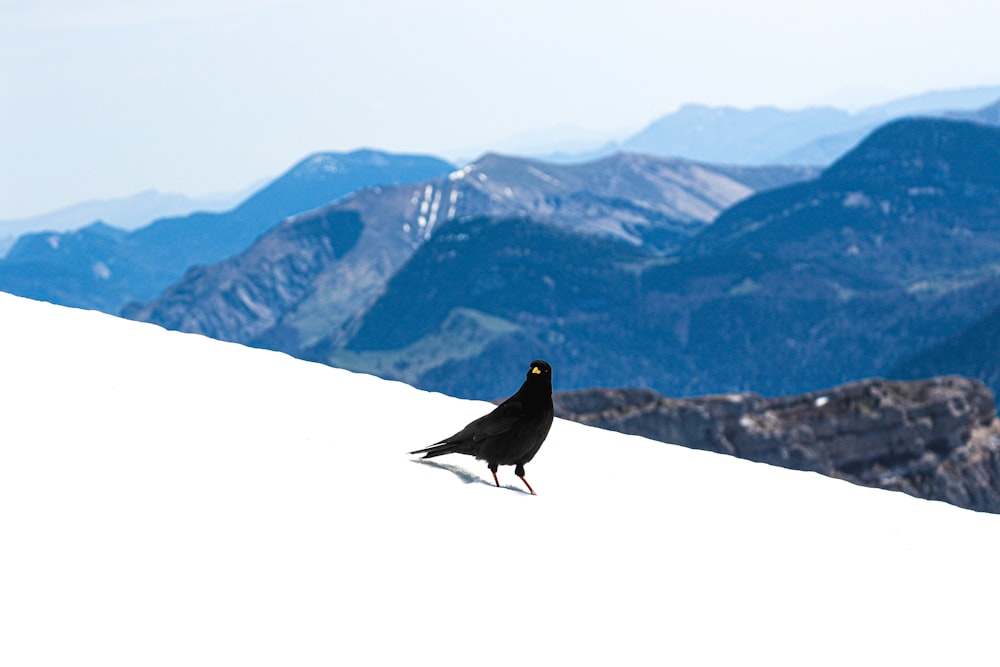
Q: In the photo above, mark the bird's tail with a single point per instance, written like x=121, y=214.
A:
x=438, y=449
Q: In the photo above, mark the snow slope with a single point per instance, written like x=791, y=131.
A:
x=166, y=499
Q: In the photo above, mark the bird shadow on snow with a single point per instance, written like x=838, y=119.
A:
x=464, y=475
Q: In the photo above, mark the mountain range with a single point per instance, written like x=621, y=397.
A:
x=804, y=285
x=128, y=213
x=892, y=249
x=630, y=270
x=769, y=135
x=298, y=291
x=104, y=267
x=697, y=132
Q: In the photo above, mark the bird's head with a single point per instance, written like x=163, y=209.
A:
x=540, y=370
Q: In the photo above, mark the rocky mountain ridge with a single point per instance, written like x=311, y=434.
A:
x=934, y=438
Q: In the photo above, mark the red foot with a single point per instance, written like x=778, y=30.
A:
x=529, y=486
x=495, y=478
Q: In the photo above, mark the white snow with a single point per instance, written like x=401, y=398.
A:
x=461, y=173
x=925, y=191
x=541, y=175
x=327, y=163
x=432, y=218
x=166, y=499
x=856, y=199
x=428, y=212
x=101, y=270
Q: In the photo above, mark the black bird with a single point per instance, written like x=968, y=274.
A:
x=510, y=435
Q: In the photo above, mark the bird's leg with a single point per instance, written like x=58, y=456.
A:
x=493, y=469
x=519, y=471
x=528, y=485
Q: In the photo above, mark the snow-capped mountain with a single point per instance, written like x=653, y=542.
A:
x=170, y=499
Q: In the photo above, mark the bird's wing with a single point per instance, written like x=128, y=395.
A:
x=503, y=417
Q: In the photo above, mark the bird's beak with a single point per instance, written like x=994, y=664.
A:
x=536, y=370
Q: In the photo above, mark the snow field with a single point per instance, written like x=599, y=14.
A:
x=170, y=499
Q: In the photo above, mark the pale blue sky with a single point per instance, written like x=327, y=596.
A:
x=105, y=98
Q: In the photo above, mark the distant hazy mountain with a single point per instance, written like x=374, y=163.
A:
x=558, y=144
x=989, y=115
x=738, y=136
x=958, y=105
x=936, y=102
x=767, y=135
x=125, y=213
x=295, y=289
x=103, y=267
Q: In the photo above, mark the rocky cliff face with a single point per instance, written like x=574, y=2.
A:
x=937, y=439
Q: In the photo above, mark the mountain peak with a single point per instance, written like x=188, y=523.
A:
x=923, y=152
x=334, y=162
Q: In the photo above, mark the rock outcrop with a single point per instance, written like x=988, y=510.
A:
x=937, y=438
